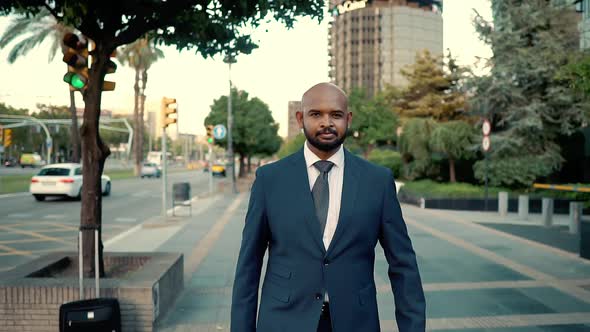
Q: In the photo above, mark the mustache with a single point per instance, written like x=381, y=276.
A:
x=327, y=131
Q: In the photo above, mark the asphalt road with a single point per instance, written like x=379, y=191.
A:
x=29, y=229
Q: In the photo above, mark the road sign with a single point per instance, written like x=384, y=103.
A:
x=486, y=143
x=219, y=131
x=486, y=127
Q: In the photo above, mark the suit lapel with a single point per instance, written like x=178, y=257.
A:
x=307, y=207
x=349, y=190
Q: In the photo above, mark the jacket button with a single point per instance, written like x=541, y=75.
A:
x=318, y=296
x=326, y=262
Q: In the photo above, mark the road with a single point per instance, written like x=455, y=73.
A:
x=29, y=229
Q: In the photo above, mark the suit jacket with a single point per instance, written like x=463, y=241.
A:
x=281, y=217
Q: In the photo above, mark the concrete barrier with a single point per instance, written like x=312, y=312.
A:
x=503, y=203
x=523, y=206
x=547, y=212
x=575, y=216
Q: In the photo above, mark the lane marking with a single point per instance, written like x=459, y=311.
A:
x=573, y=291
x=34, y=234
x=54, y=216
x=21, y=194
x=129, y=220
x=20, y=215
x=12, y=252
x=463, y=221
x=503, y=321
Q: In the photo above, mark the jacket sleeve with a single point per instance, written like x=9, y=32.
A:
x=410, y=305
x=255, y=237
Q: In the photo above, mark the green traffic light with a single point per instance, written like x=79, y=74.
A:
x=210, y=140
x=75, y=80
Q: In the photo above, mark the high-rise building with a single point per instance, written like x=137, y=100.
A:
x=293, y=126
x=583, y=6
x=371, y=41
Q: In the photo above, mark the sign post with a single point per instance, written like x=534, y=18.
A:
x=486, y=143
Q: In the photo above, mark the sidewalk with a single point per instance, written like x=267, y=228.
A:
x=475, y=277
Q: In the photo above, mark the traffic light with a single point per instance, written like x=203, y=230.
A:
x=166, y=110
x=76, y=56
x=111, y=68
x=210, y=138
x=7, y=137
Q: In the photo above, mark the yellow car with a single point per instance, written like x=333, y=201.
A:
x=218, y=169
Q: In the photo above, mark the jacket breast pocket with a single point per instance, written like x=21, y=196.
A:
x=276, y=292
x=367, y=295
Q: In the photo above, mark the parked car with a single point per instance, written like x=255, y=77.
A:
x=218, y=170
x=30, y=160
x=10, y=162
x=62, y=180
x=150, y=170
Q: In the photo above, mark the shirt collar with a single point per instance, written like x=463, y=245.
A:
x=310, y=157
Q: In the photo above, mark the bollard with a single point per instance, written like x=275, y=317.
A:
x=523, y=206
x=422, y=203
x=575, y=216
x=503, y=203
x=547, y=210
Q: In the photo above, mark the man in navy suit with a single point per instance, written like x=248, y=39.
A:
x=320, y=213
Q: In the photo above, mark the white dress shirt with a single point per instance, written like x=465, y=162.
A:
x=335, y=180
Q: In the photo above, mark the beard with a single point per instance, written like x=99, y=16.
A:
x=324, y=146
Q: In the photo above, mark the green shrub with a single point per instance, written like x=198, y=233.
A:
x=387, y=158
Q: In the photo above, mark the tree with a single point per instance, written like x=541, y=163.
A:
x=39, y=27
x=454, y=139
x=139, y=55
x=434, y=89
x=254, y=131
x=374, y=122
x=414, y=144
x=211, y=27
x=528, y=105
x=292, y=146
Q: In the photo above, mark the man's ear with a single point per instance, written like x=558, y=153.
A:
x=299, y=117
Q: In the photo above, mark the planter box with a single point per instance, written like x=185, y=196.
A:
x=146, y=285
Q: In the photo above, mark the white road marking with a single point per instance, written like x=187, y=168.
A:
x=54, y=216
x=20, y=215
x=129, y=220
x=15, y=195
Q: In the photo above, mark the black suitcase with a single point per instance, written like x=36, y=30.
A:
x=95, y=315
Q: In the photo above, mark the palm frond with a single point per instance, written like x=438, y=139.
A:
x=26, y=45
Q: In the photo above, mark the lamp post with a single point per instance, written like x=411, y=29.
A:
x=229, y=59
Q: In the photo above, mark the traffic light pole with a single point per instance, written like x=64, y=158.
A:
x=210, y=168
x=164, y=173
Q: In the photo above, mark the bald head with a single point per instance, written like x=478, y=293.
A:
x=324, y=118
x=324, y=93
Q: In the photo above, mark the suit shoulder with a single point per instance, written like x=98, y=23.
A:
x=273, y=168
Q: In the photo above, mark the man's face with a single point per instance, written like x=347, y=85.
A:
x=324, y=117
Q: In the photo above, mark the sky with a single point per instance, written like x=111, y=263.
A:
x=286, y=64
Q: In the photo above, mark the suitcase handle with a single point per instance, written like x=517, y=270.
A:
x=81, y=260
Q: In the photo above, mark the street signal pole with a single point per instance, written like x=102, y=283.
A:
x=210, y=141
x=167, y=109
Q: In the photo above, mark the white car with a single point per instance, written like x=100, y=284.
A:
x=150, y=170
x=62, y=180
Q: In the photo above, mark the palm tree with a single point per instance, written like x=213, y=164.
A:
x=139, y=55
x=37, y=28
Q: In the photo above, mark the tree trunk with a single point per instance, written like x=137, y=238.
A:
x=94, y=155
x=74, y=132
x=144, y=77
x=136, y=124
x=452, y=170
x=249, y=164
x=242, y=164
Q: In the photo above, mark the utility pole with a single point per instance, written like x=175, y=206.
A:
x=229, y=59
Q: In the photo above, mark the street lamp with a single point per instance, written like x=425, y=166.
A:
x=229, y=59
